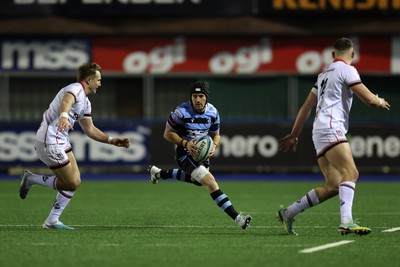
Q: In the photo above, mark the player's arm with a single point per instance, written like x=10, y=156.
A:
x=96, y=134
x=173, y=137
x=369, y=98
x=65, y=106
x=290, y=141
x=304, y=113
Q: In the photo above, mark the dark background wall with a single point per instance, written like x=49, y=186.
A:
x=267, y=97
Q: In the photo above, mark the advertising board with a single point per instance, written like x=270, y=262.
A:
x=222, y=55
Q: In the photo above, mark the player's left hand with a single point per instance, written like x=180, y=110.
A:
x=121, y=142
x=214, y=147
x=384, y=104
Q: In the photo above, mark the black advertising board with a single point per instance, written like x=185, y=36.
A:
x=167, y=8
x=203, y=8
x=245, y=147
x=254, y=146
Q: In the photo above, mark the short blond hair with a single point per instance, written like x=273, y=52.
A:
x=343, y=44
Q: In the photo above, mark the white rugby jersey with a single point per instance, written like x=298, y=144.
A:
x=47, y=132
x=335, y=97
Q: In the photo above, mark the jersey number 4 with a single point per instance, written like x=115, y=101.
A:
x=323, y=86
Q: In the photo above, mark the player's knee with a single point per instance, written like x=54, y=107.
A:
x=352, y=174
x=199, y=173
x=76, y=184
x=349, y=174
x=73, y=185
x=355, y=174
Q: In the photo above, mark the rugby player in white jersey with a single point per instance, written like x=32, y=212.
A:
x=332, y=95
x=189, y=121
x=52, y=145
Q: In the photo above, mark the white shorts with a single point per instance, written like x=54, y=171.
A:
x=54, y=156
x=326, y=139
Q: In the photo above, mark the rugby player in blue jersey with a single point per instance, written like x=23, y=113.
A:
x=191, y=120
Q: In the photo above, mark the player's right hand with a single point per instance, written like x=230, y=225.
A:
x=63, y=125
x=287, y=143
x=191, y=146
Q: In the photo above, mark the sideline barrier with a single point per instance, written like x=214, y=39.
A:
x=245, y=147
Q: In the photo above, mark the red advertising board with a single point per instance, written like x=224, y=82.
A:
x=241, y=55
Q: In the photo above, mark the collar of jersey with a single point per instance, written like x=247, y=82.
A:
x=339, y=59
x=83, y=87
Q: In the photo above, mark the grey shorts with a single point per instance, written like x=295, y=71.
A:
x=55, y=155
x=326, y=139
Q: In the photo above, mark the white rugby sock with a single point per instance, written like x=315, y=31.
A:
x=346, y=196
x=45, y=180
x=307, y=201
x=62, y=200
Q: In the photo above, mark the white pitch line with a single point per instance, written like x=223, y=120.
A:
x=391, y=230
x=330, y=245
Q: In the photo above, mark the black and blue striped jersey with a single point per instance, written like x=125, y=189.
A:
x=189, y=124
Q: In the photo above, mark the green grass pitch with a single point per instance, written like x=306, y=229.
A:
x=133, y=223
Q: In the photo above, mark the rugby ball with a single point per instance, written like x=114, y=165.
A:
x=204, y=146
